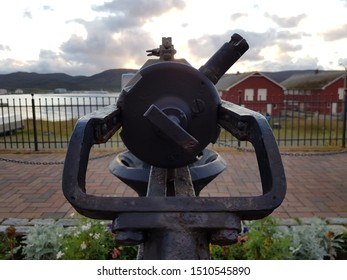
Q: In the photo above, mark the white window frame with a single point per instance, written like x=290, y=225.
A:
x=340, y=92
x=249, y=94
x=262, y=94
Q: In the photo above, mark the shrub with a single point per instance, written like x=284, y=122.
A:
x=93, y=240
x=260, y=240
x=316, y=241
x=266, y=240
x=42, y=242
x=8, y=244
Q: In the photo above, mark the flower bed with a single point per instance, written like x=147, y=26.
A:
x=93, y=240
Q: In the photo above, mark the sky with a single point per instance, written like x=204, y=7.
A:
x=86, y=37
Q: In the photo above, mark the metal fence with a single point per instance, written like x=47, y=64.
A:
x=45, y=122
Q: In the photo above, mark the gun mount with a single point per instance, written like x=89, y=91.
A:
x=169, y=112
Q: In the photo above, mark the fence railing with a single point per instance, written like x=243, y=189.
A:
x=45, y=122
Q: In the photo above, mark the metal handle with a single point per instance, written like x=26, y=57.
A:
x=247, y=125
x=171, y=129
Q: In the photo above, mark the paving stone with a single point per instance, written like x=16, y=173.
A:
x=314, y=187
x=309, y=220
x=41, y=222
x=15, y=222
x=52, y=215
x=3, y=229
x=337, y=221
x=23, y=230
x=67, y=222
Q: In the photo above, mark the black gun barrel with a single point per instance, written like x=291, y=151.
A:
x=224, y=58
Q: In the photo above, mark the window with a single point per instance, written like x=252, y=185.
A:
x=249, y=94
x=262, y=94
x=340, y=93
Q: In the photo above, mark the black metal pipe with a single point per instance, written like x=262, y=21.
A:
x=224, y=58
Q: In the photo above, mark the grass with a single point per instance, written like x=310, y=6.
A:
x=49, y=134
x=289, y=132
x=301, y=132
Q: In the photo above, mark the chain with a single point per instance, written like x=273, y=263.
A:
x=292, y=154
x=29, y=162
x=312, y=154
x=243, y=149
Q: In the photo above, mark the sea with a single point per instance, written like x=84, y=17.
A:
x=53, y=106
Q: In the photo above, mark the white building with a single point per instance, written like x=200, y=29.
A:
x=3, y=91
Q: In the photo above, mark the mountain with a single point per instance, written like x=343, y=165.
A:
x=108, y=80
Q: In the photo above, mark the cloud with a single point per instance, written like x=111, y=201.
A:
x=286, y=47
x=27, y=14
x=343, y=62
x=114, y=39
x=254, y=59
x=47, y=8
x=4, y=48
x=205, y=46
x=236, y=16
x=117, y=38
x=125, y=13
x=101, y=51
x=286, y=62
x=286, y=22
x=335, y=34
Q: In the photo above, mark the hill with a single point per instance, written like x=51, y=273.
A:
x=108, y=80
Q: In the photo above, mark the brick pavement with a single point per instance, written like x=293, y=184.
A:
x=317, y=185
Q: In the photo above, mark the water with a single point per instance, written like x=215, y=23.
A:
x=53, y=107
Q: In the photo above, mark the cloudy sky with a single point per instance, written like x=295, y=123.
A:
x=85, y=37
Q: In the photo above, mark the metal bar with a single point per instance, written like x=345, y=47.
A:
x=330, y=120
x=157, y=182
x=344, y=119
x=21, y=120
x=47, y=124
x=66, y=122
x=15, y=123
x=53, y=123
x=60, y=125
x=3, y=121
x=183, y=183
x=41, y=125
x=34, y=121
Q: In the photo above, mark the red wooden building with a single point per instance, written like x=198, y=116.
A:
x=315, y=92
x=254, y=91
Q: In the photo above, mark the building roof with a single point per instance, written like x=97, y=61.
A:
x=231, y=80
x=312, y=80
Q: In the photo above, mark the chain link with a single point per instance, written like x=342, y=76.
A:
x=29, y=162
